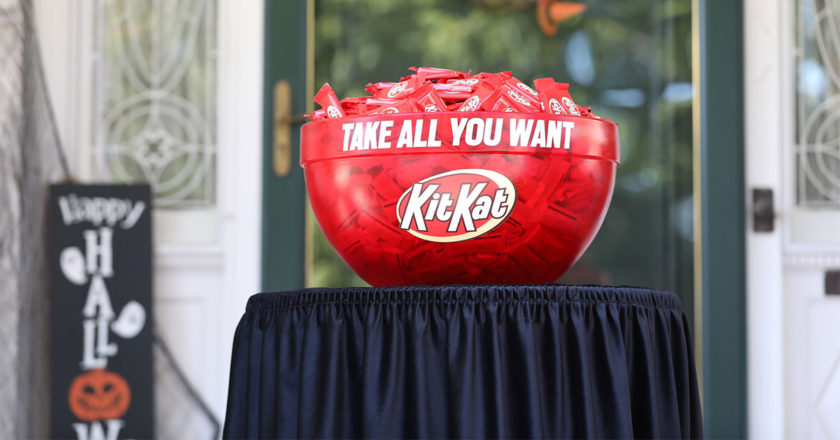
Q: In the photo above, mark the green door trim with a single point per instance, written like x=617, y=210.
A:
x=722, y=213
x=283, y=200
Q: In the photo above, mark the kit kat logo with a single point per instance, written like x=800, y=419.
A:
x=456, y=205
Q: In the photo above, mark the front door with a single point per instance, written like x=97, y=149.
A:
x=792, y=83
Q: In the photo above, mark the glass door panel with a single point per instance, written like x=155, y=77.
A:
x=631, y=61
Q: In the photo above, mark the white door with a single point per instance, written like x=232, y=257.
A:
x=169, y=92
x=792, y=97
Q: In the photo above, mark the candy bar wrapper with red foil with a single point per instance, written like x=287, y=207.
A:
x=401, y=89
x=354, y=106
x=373, y=88
x=427, y=100
x=515, y=85
x=478, y=100
x=518, y=100
x=472, y=83
x=455, y=88
x=456, y=97
x=555, y=97
x=502, y=104
x=328, y=101
x=401, y=106
x=434, y=73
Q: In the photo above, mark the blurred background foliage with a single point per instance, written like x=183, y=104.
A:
x=630, y=60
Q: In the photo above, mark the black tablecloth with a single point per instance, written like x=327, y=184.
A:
x=464, y=361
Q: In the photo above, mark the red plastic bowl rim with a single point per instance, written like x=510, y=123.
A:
x=333, y=138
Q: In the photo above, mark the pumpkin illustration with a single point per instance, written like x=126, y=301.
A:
x=99, y=395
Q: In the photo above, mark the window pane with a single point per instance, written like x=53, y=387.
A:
x=155, y=97
x=631, y=61
x=818, y=110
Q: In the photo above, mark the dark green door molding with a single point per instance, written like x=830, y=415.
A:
x=724, y=354
x=283, y=218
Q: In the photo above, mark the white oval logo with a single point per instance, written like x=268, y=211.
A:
x=507, y=109
x=518, y=98
x=555, y=107
x=457, y=205
x=397, y=89
x=469, y=105
x=571, y=106
x=389, y=110
x=466, y=82
x=332, y=112
x=431, y=108
x=527, y=89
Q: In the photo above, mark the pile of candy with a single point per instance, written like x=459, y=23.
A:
x=432, y=89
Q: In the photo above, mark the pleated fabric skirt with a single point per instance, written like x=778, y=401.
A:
x=464, y=361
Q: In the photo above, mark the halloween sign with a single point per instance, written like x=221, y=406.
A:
x=100, y=312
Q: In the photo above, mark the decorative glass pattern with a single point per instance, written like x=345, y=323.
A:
x=155, y=97
x=818, y=109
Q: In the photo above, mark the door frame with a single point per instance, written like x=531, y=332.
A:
x=719, y=229
x=288, y=56
x=766, y=87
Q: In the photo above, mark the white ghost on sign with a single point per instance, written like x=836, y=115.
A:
x=131, y=320
x=72, y=264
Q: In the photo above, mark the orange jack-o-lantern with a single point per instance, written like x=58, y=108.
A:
x=99, y=395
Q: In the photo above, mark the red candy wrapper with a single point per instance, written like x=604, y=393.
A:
x=456, y=97
x=555, y=97
x=518, y=91
x=503, y=105
x=329, y=102
x=455, y=88
x=402, y=106
x=431, y=89
x=354, y=106
x=472, y=83
x=436, y=73
x=479, y=99
x=401, y=89
x=373, y=88
x=427, y=100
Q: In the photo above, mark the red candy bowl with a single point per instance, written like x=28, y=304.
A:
x=460, y=197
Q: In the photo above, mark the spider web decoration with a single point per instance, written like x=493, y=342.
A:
x=28, y=161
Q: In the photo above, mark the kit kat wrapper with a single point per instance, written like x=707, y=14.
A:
x=502, y=104
x=401, y=89
x=446, y=87
x=482, y=97
x=373, y=88
x=426, y=99
x=521, y=88
x=556, y=98
x=472, y=83
x=327, y=99
x=434, y=73
x=401, y=106
x=454, y=97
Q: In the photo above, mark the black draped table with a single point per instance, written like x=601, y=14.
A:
x=464, y=361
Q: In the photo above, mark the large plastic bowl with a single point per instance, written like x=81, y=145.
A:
x=521, y=214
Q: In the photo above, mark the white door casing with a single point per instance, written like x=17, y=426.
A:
x=793, y=348
x=206, y=260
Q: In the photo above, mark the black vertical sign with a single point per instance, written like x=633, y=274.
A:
x=100, y=311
